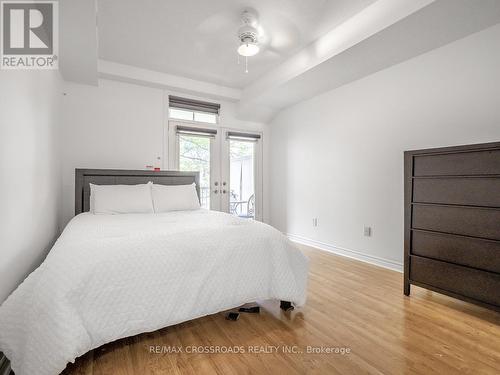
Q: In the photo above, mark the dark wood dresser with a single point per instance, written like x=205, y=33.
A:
x=452, y=222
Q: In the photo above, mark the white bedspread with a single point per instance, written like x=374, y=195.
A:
x=113, y=276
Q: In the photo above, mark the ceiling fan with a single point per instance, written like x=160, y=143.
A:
x=244, y=31
x=248, y=36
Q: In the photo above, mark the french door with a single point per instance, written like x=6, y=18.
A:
x=229, y=162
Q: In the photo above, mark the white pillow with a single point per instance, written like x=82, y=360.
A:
x=175, y=197
x=121, y=199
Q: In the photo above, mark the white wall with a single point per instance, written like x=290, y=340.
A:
x=121, y=125
x=339, y=156
x=30, y=188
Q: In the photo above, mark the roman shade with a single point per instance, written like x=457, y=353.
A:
x=191, y=130
x=193, y=105
x=242, y=136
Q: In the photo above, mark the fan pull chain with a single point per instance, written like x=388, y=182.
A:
x=238, y=59
x=246, y=64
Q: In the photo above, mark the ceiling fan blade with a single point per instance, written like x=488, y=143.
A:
x=221, y=22
x=280, y=33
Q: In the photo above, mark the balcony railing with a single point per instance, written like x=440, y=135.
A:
x=245, y=208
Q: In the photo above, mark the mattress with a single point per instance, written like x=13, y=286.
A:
x=114, y=276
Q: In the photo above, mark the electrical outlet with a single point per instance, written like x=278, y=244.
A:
x=315, y=222
x=367, y=231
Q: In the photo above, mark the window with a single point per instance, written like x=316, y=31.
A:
x=193, y=110
x=229, y=163
x=194, y=155
x=182, y=114
x=242, y=178
x=242, y=173
x=205, y=117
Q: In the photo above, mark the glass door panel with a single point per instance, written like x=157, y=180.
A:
x=195, y=155
x=242, y=178
x=229, y=163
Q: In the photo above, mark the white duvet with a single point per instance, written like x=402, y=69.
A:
x=113, y=276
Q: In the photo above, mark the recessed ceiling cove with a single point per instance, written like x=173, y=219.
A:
x=198, y=39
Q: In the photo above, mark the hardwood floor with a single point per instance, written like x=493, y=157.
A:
x=350, y=305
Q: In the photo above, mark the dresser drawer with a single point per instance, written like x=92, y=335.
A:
x=471, y=252
x=473, y=191
x=470, y=163
x=469, y=221
x=479, y=285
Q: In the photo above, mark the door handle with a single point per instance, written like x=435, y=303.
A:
x=216, y=191
x=224, y=192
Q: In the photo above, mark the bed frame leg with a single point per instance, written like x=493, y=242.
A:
x=250, y=309
x=234, y=316
x=286, y=306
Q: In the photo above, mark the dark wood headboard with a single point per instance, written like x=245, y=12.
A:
x=84, y=177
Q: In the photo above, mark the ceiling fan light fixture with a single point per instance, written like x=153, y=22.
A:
x=248, y=49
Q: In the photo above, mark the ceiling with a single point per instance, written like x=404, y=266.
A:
x=311, y=46
x=197, y=39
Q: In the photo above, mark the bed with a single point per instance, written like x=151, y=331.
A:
x=114, y=276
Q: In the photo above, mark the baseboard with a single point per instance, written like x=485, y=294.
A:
x=377, y=261
x=4, y=365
